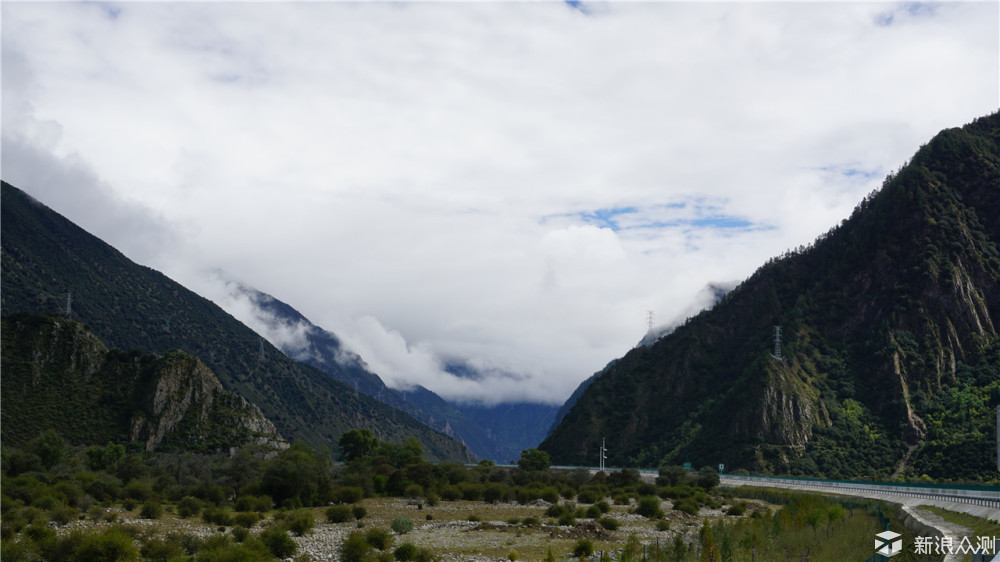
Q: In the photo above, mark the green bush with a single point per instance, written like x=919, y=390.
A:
x=217, y=516
x=609, y=523
x=278, y=542
x=63, y=515
x=378, y=538
x=663, y=525
x=687, y=505
x=348, y=494
x=355, y=548
x=162, y=549
x=188, y=506
x=405, y=551
x=260, y=504
x=649, y=506
x=584, y=547
x=151, y=509
x=567, y=520
x=737, y=509
x=299, y=522
x=339, y=514
x=593, y=512
x=113, y=545
x=603, y=506
x=246, y=519
x=359, y=512
x=402, y=525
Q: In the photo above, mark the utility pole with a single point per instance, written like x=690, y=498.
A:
x=777, y=344
x=603, y=455
x=69, y=304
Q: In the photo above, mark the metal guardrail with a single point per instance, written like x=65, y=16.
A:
x=987, y=497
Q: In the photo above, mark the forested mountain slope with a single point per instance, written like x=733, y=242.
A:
x=45, y=258
x=57, y=375
x=891, y=355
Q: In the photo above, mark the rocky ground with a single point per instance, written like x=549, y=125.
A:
x=446, y=529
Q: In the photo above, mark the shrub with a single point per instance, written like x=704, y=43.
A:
x=216, y=515
x=158, y=549
x=405, y=551
x=111, y=545
x=687, y=505
x=451, y=493
x=300, y=522
x=531, y=522
x=402, y=525
x=152, y=509
x=378, y=538
x=737, y=509
x=129, y=504
x=663, y=525
x=567, y=520
x=603, y=506
x=593, y=512
x=586, y=496
x=584, y=547
x=649, y=506
x=189, y=506
x=278, y=542
x=339, y=514
x=348, y=494
x=609, y=523
x=355, y=548
x=246, y=519
x=63, y=515
x=359, y=512
x=260, y=504
x=549, y=494
x=432, y=499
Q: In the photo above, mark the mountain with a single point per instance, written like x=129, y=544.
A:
x=58, y=375
x=50, y=265
x=498, y=432
x=889, y=350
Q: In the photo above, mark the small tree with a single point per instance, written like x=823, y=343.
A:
x=707, y=478
x=357, y=443
x=534, y=460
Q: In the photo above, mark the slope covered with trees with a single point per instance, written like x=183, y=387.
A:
x=891, y=355
x=46, y=258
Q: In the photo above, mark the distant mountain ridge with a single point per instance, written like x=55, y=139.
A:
x=48, y=261
x=497, y=432
x=889, y=344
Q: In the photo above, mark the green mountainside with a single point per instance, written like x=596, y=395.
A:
x=58, y=375
x=46, y=258
x=891, y=355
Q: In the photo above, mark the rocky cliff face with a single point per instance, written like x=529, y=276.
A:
x=59, y=375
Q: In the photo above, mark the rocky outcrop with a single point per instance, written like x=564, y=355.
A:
x=59, y=375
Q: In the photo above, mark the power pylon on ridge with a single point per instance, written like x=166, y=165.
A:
x=69, y=304
x=777, y=344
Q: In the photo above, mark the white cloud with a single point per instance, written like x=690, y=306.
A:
x=514, y=184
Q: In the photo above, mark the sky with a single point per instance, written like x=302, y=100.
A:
x=513, y=186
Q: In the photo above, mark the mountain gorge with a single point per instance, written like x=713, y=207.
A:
x=497, y=432
x=889, y=356
x=50, y=265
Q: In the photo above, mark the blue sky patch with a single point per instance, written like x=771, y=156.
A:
x=606, y=218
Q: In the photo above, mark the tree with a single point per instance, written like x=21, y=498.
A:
x=49, y=447
x=357, y=443
x=671, y=475
x=534, y=459
x=707, y=478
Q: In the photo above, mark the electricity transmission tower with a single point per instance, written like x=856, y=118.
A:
x=69, y=304
x=777, y=344
x=649, y=321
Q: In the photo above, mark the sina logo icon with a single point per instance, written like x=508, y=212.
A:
x=887, y=544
